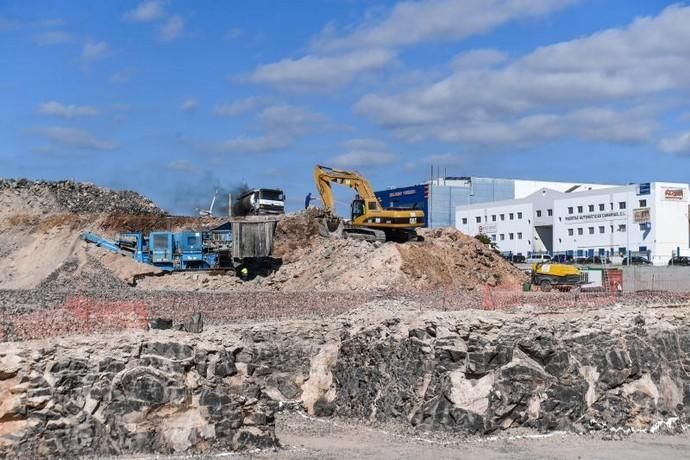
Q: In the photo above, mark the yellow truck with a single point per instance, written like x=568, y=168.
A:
x=563, y=277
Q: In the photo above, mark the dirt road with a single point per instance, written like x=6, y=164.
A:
x=308, y=438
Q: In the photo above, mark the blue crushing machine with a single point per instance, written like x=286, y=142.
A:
x=172, y=251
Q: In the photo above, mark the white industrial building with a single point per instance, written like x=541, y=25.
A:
x=649, y=219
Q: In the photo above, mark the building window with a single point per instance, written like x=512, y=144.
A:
x=643, y=203
x=486, y=218
x=580, y=231
x=493, y=218
x=591, y=208
x=511, y=236
x=511, y=216
x=602, y=206
x=503, y=236
x=621, y=205
x=464, y=221
x=602, y=229
x=571, y=232
x=519, y=215
x=591, y=230
x=579, y=209
x=570, y=209
x=478, y=219
x=643, y=227
x=611, y=206
x=643, y=248
x=538, y=212
x=611, y=228
x=493, y=237
x=621, y=251
x=621, y=227
x=549, y=212
x=519, y=235
x=503, y=217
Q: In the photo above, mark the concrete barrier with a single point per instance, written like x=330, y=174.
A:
x=651, y=278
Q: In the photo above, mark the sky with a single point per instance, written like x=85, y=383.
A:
x=176, y=99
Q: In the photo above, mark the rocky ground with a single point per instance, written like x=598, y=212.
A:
x=610, y=371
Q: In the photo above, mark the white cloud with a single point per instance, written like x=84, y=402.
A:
x=184, y=166
x=358, y=159
x=123, y=76
x=410, y=23
x=361, y=153
x=677, y=144
x=592, y=88
x=171, y=29
x=238, y=107
x=190, y=104
x=445, y=159
x=313, y=72
x=57, y=109
x=53, y=37
x=75, y=138
x=282, y=126
x=94, y=51
x=480, y=58
x=290, y=119
x=146, y=12
x=260, y=144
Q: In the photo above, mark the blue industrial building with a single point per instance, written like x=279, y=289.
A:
x=439, y=198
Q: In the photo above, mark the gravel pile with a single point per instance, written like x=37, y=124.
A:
x=78, y=197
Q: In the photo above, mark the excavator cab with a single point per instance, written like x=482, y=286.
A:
x=357, y=207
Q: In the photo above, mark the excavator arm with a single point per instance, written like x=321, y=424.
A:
x=324, y=176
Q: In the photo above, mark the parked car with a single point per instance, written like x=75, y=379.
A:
x=597, y=260
x=636, y=260
x=679, y=260
x=518, y=259
x=538, y=258
x=563, y=259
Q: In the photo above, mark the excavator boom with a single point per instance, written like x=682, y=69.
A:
x=324, y=176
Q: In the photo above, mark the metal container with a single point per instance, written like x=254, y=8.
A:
x=252, y=238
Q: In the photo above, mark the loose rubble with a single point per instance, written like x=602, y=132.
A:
x=27, y=196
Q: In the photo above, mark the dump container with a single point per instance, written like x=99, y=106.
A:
x=252, y=238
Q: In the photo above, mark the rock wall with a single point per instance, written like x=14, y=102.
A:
x=469, y=372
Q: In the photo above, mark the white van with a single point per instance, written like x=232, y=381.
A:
x=538, y=258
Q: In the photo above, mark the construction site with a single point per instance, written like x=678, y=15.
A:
x=276, y=333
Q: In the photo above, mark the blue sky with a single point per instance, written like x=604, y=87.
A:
x=176, y=98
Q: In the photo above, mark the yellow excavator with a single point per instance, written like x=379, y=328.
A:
x=369, y=220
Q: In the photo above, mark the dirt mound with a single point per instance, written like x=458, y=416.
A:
x=296, y=232
x=22, y=196
x=445, y=259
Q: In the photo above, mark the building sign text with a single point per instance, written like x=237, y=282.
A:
x=597, y=215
